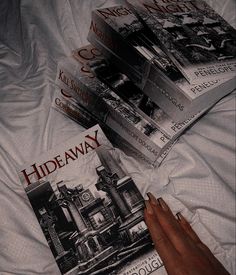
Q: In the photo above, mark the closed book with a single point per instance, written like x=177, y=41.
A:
x=161, y=79
x=197, y=39
x=89, y=208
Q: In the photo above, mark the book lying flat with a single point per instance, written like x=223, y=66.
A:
x=197, y=39
x=67, y=106
x=122, y=39
x=89, y=208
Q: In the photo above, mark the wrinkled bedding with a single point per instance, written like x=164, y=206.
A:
x=197, y=177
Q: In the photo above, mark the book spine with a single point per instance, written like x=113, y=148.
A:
x=168, y=126
x=121, y=143
x=130, y=150
x=115, y=117
x=175, y=129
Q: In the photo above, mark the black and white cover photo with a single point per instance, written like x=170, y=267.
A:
x=89, y=208
x=199, y=41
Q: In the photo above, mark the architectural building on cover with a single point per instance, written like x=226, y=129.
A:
x=91, y=231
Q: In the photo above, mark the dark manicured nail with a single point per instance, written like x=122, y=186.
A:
x=163, y=205
x=152, y=198
x=179, y=216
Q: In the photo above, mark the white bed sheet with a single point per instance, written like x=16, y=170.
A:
x=197, y=177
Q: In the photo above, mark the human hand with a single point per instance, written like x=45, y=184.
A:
x=179, y=247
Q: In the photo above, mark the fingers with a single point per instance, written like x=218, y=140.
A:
x=170, y=225
x=192, y=234
x=179, y=247
x=187, y=228
x=164, y=247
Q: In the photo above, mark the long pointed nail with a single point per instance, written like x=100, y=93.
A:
x=163, y=204
x=149, y=208
x=179, y=216
x=152, y=198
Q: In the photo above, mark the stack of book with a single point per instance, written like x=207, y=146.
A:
x=185, y=60
x=87, y=99
x=153, y=68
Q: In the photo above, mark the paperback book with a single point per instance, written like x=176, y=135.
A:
x=89, y=208
x=138, y=55
x=197, y=39
x=97, y=98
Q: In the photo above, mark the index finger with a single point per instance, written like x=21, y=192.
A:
x=164, y=247
x=174, y=232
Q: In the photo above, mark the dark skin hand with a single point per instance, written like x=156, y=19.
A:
x=179, y=247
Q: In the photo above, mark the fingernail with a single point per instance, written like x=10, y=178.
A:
x=179, y=216
x=152, y=198
x=149, y=208
x=163, y=205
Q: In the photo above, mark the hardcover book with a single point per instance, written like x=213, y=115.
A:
x=161, y=79
x=97, y=98
x=197, y=39
x=89, y=208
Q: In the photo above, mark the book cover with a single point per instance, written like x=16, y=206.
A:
x=164, y=83
x=197, y=39
x=89, y=208
x=119, y=30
